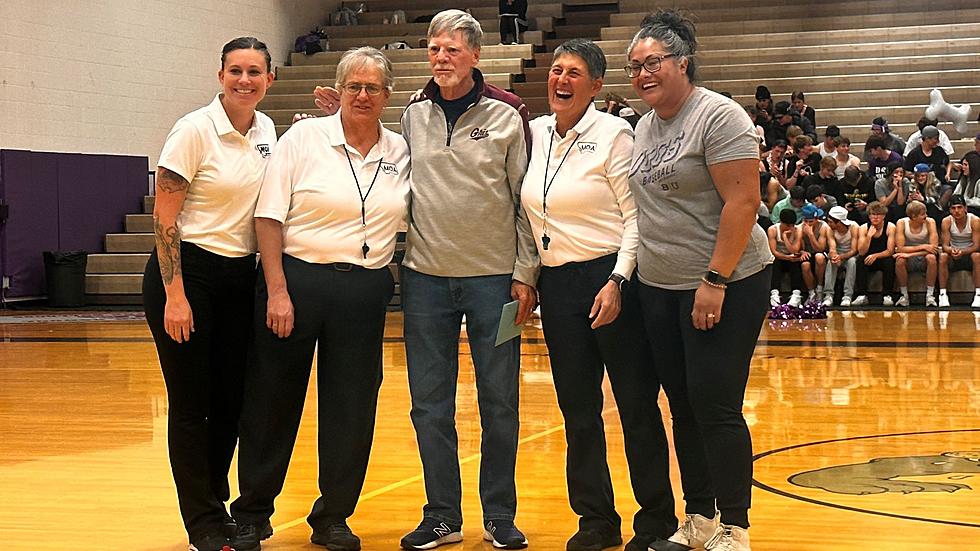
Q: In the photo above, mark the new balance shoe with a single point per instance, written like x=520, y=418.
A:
x=503, y=534
x=902, y=301
x=336, y=537
x=729, y=538
x=692, y=534
x=594, y=540
x=944, y=301
x=250, y=535
x=860, y=300
x=888, y=301
x=211, y=542
x=930, y=300
x=432, y=533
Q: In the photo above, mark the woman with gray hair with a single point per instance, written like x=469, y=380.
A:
x=704, y=270
x=331, y=203
x=577, y=198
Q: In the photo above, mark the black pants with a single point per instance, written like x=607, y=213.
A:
x=884, y=265
x=704, y=374
x=795, y=271
x=578, y=354
x=341, y=315
x=203, y=376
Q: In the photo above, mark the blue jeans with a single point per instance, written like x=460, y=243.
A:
x=434, y=307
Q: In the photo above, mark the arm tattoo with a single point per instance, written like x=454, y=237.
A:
x=169, y=181
x=168, y=249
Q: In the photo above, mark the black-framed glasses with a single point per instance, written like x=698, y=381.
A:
x=354, y=88
x=651, y=64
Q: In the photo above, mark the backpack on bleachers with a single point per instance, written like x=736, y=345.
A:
x=343, y=17
x=311, y=43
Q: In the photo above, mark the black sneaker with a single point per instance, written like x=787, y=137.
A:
x=249, y=536
x=594, y=540
x=641, y=542
x=337, y=537
x=432, y=533
x=504, y=535
x=211, y=542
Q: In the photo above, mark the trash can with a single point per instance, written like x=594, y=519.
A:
x=65, y=275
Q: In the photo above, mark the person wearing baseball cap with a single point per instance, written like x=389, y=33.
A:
x=880, y=129
x=916, y=138
x=815, y=235
x=928, y=152
x=961, y=248
x=842, y=250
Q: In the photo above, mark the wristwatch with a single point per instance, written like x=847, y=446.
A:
x=712, y=277
x=619, y=280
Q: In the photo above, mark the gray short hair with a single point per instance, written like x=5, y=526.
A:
x=590, y=53
x=450, y=21
x=675, y=31
x=361, y=57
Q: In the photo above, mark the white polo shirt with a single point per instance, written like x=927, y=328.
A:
x=225, y=170
x=309, y=187
x=591, y=212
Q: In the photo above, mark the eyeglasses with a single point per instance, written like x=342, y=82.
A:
x=354, y=88
x=651, y=64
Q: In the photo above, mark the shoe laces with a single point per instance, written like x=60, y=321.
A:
x=687, y=528
x=722, y=540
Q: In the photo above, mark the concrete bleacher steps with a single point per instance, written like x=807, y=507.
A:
x=494, y=51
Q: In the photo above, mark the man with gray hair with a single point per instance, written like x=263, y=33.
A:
x=469, y=252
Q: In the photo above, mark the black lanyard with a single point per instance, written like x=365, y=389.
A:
x=364, y=246
x=545, y=239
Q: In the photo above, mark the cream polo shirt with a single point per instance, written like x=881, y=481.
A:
x=591, y=212
x=225, y=170
x=310, y=189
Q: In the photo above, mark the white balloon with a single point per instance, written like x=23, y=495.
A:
x=940, y=110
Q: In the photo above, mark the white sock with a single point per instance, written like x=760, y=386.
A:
x=904, y=291
x=942, y=291
x=977, y=292
x=930, y=291
x=819, y=289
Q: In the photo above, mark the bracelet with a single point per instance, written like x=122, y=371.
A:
x=715, y=285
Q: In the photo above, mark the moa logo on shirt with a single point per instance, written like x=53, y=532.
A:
x=389, y=169
x=586, y=147
x=480, y=133
x=264, y=150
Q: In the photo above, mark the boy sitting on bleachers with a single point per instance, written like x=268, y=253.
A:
x=842, y=249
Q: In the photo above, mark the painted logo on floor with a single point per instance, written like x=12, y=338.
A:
x=898, y=475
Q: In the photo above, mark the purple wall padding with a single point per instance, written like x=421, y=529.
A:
x=62, y=201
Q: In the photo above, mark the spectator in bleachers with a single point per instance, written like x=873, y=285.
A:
x=513, y=20
x=824, y=178
x=772, y=173
x=813, y=251
x=700, y=283
x=929, y=153
x=617, y=106
x=798, y=101
x=793, y=132
x=585, y=217
x=917, y=246
x=199, y=282
x=854, y=191
x=803, y=160
x=879, y=157
x=828, y=147
x=843, y=156
x=842, y=249
x=793, y=202
x=927, y=189
x=960, y=248
x=889, y=140
x=785, y=243
x=763, y=100
x=877, y=248
x=892, y=190
x=916, y=138
x=759, y=129
x=968, y=186
x=783, y=116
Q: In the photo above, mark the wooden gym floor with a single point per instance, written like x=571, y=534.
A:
x=83, y=460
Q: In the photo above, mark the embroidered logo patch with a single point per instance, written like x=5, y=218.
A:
x=480, y=133
x=264, y=150
x=586, y=147
x=389, y=169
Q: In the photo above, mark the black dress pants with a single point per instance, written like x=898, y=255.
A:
x=578, y=356
x=704, y=374
x=339, y=312
x=203, y=377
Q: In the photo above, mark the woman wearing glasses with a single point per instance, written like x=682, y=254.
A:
x=331, y=203
x=576, y=195
x=704, y=273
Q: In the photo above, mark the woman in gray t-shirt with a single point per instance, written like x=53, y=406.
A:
x=704, y=269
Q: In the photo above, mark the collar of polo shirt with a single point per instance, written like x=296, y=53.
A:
x=222, y=124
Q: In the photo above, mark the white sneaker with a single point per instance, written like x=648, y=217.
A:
x=931, y=300
x=888, y=301
x=774, y=298
x=811, y=295
x=902, y=301
x=795, y=299
x=729, y=538
x=828, y=300
x=976, y=302
x=944, y=301
x=860, y=300
x=845, y=301
x=693, y=533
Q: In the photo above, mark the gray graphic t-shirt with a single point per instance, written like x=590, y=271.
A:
x=679, y=207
